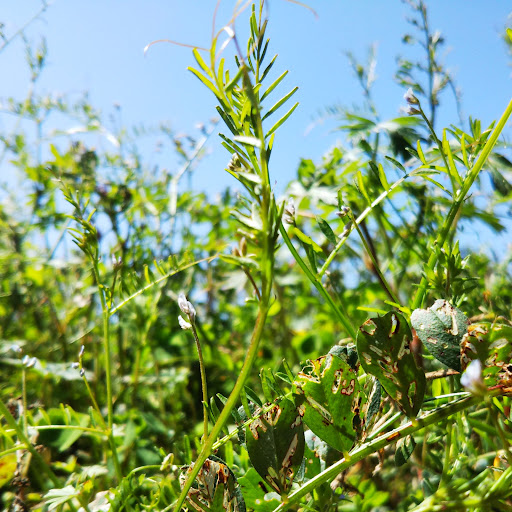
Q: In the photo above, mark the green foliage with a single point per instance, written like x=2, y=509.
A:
x=106, y=402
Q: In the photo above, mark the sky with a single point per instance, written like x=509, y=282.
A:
x=97, y=46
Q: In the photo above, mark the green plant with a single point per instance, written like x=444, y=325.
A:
x=317, y=379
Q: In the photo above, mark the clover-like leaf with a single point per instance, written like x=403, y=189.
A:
x=384, y=351
x=332, y=400
x=275, y=443
x=441, y=329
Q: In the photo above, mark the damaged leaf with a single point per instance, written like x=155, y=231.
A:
x=441, y=329
x=275, y=443
x=492, y=345
x=214, y=487
x=332, y=400
x=384, y=351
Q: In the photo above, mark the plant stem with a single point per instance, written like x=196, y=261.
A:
x=229, y=405
x=458, y=200
x=108, y=370
x=318, y=284
x=203, y=379
x=380, y=275
x=43, y=466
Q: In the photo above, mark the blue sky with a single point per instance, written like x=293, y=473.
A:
x=97, y=46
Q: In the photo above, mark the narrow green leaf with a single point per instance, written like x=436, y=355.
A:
x=305, y=239
x=396, y=163
x=274, y=85
x=202, y=63
x=283, y=100
x=234, y=81
x=362, y=187
x=404, y=449
x=268, y=68
x=326, y=230
x=205, y=81
x=282, y=120
x=382, y=177
x=452, y=169
x=420, y=152
x=227, y=121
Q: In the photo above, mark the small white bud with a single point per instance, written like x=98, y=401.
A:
x=472, y=378
x=344, y=210
x=410, y=98
x=186, y=307
x=411, y=111
x=82, y=350
x=75, y=366
x=183, y=323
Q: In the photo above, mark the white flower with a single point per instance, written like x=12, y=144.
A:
x=186, y=307
x=472, y=378
x=410, y=98
x=183, y=323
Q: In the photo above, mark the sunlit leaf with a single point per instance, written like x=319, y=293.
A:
x=332, y=400
x=275, y=443
x=441, y=329
x=384, y=348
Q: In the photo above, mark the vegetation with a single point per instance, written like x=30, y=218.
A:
x=348, y=348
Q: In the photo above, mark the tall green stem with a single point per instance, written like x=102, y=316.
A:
x=459, y=199
x=108, y=370
x=229, y=405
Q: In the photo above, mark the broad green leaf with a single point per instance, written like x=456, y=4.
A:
x=383, y=345
x=331, y=400
x=54, y=498
x=255, y=495
x=404, y=448
x=275, y=443
x=441, y=329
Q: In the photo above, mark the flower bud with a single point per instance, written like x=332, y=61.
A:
x=344, y=211
x=472, y=378
x=186, y=307
x=411, y=111
x=410, y=98
x=183, y=323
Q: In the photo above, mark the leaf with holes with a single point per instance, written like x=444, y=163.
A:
x=332, y=400
x=384, y=350
x=275, y=443
x=441, y=329
x=215, y=487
